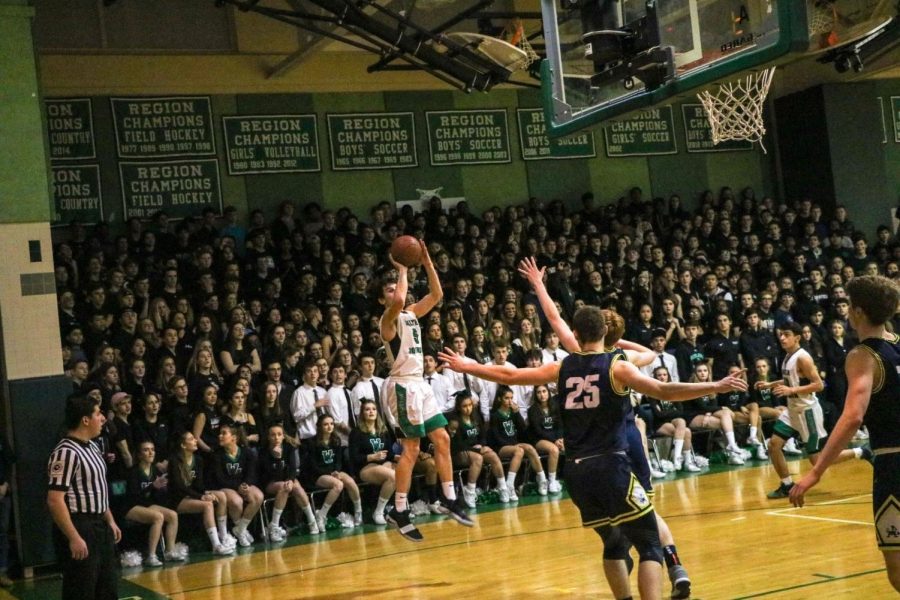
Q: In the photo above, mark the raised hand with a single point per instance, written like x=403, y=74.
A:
x=529, y=270
x=400, y=268
x=426, y=257
x=455, y=361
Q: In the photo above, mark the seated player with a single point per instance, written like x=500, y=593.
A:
x=467, y=439
x=279, y=465
x=705, y=413
x=669, y=421
x=546, y=431
x=506, y=436
x=745, y=412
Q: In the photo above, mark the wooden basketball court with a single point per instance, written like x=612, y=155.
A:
x=734, y=542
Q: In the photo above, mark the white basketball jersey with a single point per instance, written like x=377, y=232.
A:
x=791, y=374
x=406, y=347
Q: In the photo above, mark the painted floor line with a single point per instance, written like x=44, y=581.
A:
x=828, y=519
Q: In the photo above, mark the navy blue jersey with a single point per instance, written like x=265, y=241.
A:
x=593, y=408
x=883, y=415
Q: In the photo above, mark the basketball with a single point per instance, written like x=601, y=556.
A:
x=407, y=251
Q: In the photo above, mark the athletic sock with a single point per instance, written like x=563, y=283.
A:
x=357, y=506
x=501, y=482
x=399, y=501
x=325, y=508
x=551, y=476
x=213, y=535
x=382, y=502
x=787, y=480
x=541, y=477
x=242, y=524
x=671, y=556
x=222, y=522
x=470, y=486
x=310, y=515
x=729, y=435
x=511, y=480
x=677, y=445
x=857, y=453
x=753, y=435
x=449, y=490
x=276, y=516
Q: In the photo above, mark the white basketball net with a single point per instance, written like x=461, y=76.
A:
x=520, y=41
x=735, y=112
x=821, y=17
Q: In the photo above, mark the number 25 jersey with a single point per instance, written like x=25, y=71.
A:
x=593, y=408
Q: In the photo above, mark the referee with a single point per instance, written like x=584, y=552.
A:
x=78, y=500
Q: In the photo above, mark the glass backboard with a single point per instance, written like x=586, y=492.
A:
x=606, y=58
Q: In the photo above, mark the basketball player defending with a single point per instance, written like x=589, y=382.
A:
x=594, y=399
x=803, y=418
x=639, y=356
x=410, y=399
x=873, y=397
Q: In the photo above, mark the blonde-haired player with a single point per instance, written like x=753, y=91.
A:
x=414, y=411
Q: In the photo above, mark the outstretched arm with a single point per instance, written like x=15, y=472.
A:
x=435, y=291
x=501, y=373
x=392, y=310
x=639, y=356
x=529, y=270
x=626, y=374
x=860, y=368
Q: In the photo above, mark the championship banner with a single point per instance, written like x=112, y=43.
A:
x=468, y=137
x=180, y=188
x=70, y=128
x=163, y=127
x=698, y=133
x=537, y=145
x=76, y=194
x=257, y=144
x=649, y=133
x=361, y=141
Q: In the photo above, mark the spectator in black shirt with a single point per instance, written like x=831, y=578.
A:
x=723, y=348
x=279, y=470
x=755, y=341
x=234, y=471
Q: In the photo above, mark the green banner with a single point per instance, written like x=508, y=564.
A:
x=181, y=188
x=163, y=127
x=651, y=132
x=895, y=117
x=537, y=145
x=468, y=137
x=76, y=194
x=372, y=141
x=70, y=128
x=271, y=144
x=698, y=133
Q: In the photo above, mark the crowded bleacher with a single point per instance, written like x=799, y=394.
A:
x=237, y=361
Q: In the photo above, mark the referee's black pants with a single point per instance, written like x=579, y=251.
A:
x=97, y=576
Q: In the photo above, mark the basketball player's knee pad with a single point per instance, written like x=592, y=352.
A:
x=645, y=537
x=615, y=544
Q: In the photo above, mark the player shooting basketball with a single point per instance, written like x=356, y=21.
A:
x=409, y=398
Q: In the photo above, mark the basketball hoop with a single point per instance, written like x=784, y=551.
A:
x=823, y=19
x=516, y=31
x=735, y=112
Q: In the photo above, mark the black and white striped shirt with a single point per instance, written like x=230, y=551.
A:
x=78, y=469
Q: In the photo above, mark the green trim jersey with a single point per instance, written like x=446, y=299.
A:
x=405, y=349
x=791, y=373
